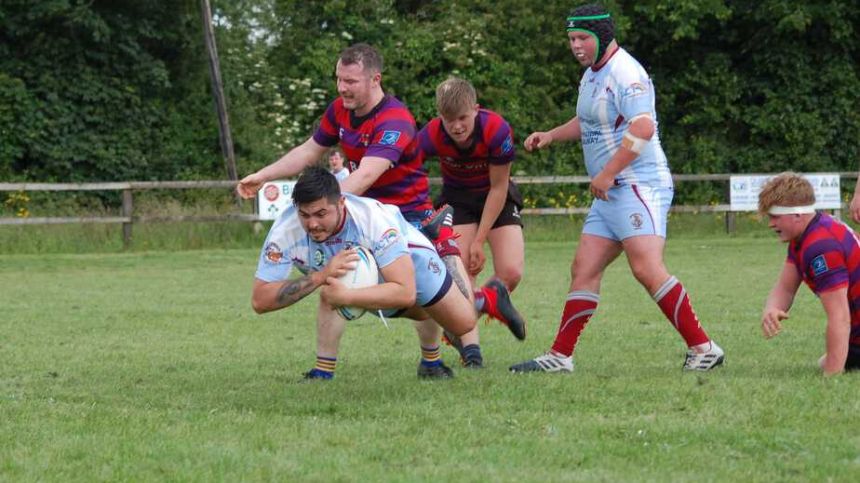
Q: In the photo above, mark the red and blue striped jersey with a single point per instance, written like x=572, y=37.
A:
x=388, y=131
x=827, y=257
x=468, y=169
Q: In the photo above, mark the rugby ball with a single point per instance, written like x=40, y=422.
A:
x=365, y=274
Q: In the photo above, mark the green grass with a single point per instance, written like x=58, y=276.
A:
x=151, y=366
x=96, y=238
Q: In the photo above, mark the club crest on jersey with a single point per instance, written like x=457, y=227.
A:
x=389, y=138
x=273, y=253
x=819, y=265
x=636, y=221
x=319, y=258
x=388, y=238
x=365, y=139
x=340, y=133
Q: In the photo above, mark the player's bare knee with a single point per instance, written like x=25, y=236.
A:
x=510, y=276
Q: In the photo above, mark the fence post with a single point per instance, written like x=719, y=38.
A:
x=730, y=222
x=730, y=215
x=127, y=210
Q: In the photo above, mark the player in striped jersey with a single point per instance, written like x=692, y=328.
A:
x=475, y=149
x=377, y=133
x=824, y=253
x=616, y=123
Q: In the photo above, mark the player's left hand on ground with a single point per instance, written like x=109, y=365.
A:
x=476, y=258
x=601, y=184
x=334, y=292
x=771, y=321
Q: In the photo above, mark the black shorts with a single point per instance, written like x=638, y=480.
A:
x=853, y=361
x=469, y=206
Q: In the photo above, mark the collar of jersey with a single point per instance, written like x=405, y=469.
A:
x=356, y=121
x=809, y=227
x=608, y=60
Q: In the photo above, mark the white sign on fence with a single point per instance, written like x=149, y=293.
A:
x=744, y=190
x=273, y=198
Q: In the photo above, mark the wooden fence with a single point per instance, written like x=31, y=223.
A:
x=127, y=217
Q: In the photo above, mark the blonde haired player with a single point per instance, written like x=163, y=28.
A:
x=475, y=150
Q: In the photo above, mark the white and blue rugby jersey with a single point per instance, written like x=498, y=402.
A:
x=369, y=223
x=608, y=99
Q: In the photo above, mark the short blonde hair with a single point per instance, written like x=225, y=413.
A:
x=785, y=189
x=454, y=96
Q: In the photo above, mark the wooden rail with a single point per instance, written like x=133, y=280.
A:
x=127, y=218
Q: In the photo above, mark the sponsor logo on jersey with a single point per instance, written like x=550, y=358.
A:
x=819, y=265
x=299, y=262
x=636, y=221
x=635, y=89
x=319, y=258
x=340, y=133
x=273, y=252
x=388, y=238
x=389, y=138
x=507, y=145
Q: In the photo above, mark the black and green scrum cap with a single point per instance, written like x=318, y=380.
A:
x=595, y=21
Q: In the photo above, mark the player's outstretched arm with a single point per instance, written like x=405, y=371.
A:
x=569, y=131
x=360, y=180
x=269, y=296
x=838, y=331
x=288, y=165
x=779, y=301
x=397, y=292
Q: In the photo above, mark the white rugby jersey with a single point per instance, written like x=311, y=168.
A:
x=608, y=99
x=369, y=223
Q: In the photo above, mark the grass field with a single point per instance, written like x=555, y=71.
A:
x=151, y=366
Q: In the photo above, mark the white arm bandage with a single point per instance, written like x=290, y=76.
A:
x=633, y=143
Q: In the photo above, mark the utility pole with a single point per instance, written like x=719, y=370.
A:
x=224, y=135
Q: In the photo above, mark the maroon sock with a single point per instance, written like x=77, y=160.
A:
x=580, y=306
x=675, y=304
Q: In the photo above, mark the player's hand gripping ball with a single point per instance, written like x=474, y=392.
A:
x=365, y=274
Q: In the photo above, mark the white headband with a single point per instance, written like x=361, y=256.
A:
x=791, y=210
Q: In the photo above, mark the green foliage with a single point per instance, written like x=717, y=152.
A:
x=121, y=90
x=94, y=89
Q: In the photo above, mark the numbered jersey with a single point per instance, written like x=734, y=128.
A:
x=367, y=223
x=608, y=99
x=827, y=257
